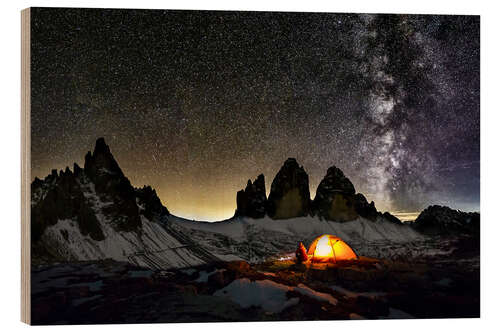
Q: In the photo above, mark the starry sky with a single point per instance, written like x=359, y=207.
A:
x=195, y=103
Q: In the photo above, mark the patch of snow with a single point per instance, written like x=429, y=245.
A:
x=305, y=290
x=204, y=275
x=267, y=294
x=141, y=207
x=287, y=257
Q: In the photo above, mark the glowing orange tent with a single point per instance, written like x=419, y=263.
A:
x=329, y=248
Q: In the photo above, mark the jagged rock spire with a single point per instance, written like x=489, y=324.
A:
x=101, y=161
x=365, y=209
x=335, y=180
x=251, y=201
x=334, y=198
x=289, y=196
x=152, y=205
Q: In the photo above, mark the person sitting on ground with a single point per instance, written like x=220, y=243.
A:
x=301, y=253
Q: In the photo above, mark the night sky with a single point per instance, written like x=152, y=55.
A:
x=194, y=103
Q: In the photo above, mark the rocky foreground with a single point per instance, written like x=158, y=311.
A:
x=443, y=286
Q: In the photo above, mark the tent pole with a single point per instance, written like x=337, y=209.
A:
x=333, y=250
x=312, y=262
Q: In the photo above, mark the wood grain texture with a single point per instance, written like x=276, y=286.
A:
x=25, y=167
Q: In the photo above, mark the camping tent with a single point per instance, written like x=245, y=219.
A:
x=329, y=248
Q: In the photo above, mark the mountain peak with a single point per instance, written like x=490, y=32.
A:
x=101, y=161
x=334, y=198
x=66, y=195
x=442, y=220
x=292, y=163
x=251, y=201
x=289, y=196
x=337, y=181
x=101, y=146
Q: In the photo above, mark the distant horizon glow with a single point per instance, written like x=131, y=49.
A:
x=188, y=206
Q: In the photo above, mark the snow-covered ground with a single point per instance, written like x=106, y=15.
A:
x=255, y=239
x=174, y=242
x=269, y=295
x=155, y=247
x=303, y=228
x=359, y=229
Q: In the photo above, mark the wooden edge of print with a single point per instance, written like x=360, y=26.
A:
x=25, y=168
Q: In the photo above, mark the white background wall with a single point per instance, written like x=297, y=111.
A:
x=490, y=163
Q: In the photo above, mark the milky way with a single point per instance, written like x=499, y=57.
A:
x=195, y=103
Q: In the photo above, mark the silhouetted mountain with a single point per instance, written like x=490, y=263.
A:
x=95, y=213
x=391, y=218
x=149, y=203
x=444, y=221
x=365, y=209
x=111, y=185
x=289, y=196
x=334, y=198
x=252, y=200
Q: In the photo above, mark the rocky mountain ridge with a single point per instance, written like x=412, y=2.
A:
x=64, y=195
x=251, y=201
x=445, y=221
x=95, y=213
x=335, y=200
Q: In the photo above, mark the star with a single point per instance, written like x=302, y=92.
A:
x=195, y=103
